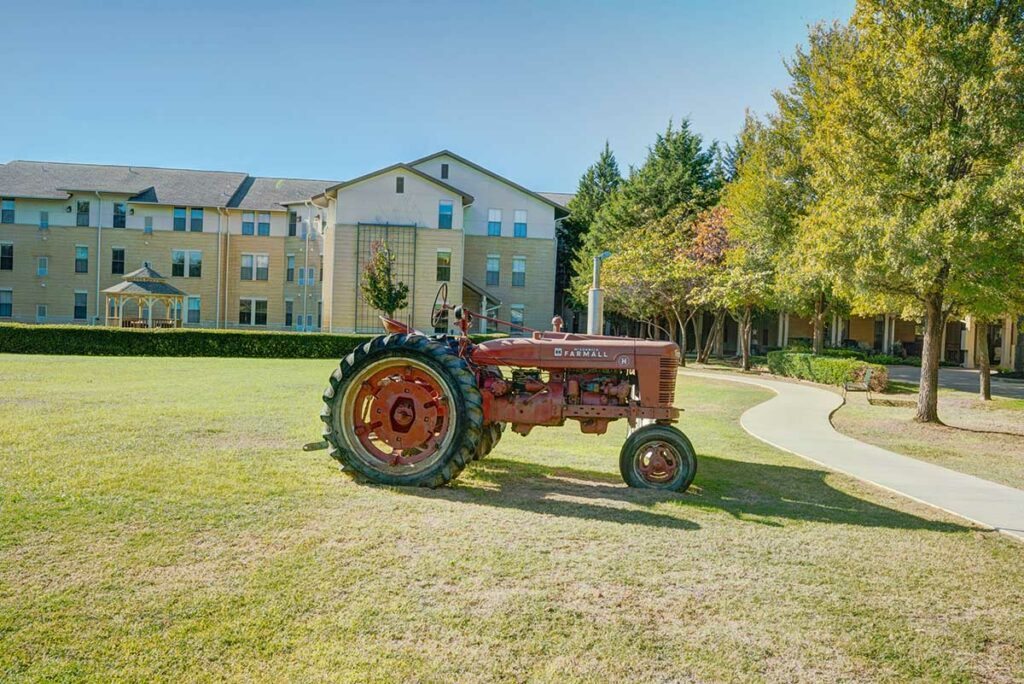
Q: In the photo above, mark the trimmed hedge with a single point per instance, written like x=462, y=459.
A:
x=826, y=370
x=105, y=341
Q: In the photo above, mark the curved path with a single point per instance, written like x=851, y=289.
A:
x=797, y=420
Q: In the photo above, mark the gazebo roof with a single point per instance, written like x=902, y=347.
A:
x=144, y=281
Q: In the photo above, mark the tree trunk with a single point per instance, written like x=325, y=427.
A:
x=818, y=343
x=681, y=323
x=1018, y=357
x=928, y=392
x=984, y=365
x=712, y=336
x=745, y=321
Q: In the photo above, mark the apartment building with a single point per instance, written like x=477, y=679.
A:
x=273, y=253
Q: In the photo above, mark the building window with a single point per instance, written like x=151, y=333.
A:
x=252, y=311
x=302, y=275
x=399, y=184
x=119, y=214
x=444, y=214
x=43, y=266
x=518, y=271
x=309, y=321
x=40, y=313
x=293, y=220
x=81, y=259
x=320, y=314
x=289, y=274
x=444, y=171
x=289, y=315
x=148, y=224
x=6, y=303
x=263, y=226
x=7, y=212
x=306, y=276
x=6, y=256
x=493, y=270
x=81, y=302
x=178, y=263
x=196, y=220
x=444, y=265
x=321, y=268
x=519, y=226
x=179, y=218
x=193, y=310
x=494, y=222
x=195, y=264
x=117, y=261
x=248, y=223
x=255, y=267
x=516, y=315
x=44, y=219
x=247, y=262
x=82, y=213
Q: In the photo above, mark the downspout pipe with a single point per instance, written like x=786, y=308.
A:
x=99, y=252
x=221, y=212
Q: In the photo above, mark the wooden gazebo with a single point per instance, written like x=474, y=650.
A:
x=145, y=288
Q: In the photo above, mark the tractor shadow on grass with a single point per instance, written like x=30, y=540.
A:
x=757, y=493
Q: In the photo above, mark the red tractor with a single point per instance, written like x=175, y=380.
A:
x=411, y=409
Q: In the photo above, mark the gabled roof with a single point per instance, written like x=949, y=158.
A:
x=466, y=197
x=560, y=198
x=143, y=184
x=559, y=209
x=273, y=194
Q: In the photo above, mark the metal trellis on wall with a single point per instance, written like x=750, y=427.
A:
x=401, y=240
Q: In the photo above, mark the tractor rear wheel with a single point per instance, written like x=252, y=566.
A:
x=403, y=410
x=658, y=457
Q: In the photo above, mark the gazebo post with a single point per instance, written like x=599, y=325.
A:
x=149, y=312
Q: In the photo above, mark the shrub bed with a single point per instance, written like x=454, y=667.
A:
x=826, y=370
x=104, y=341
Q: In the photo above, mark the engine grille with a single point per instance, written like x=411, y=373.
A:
x=667, y=380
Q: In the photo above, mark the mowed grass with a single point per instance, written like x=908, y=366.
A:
x=160, y=522
x=985, y=439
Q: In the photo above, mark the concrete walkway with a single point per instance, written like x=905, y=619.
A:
x=961, y=379
x=797, y=420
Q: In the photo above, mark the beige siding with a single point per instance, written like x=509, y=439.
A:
x=537, y=297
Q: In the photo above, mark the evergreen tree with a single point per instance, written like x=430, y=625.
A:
x=595, y=186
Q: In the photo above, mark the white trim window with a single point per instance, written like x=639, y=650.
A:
x=81, y=258
x=81, y=311
x=248, y=223
x=516, y=316
x=43, y=266
x=6, y=303
x=518, y=271
x=40, y=313
x=493, y=275
x=7, y=212
x=519, y=223
x=444, y=265
x=290, y=270
x=255, y=267
x=263, y=225
x=186, y=263
x=445, y=212
x=193, y=310
x=494, y=222
x=289, y=313
x=252, y=311
x=6, y=256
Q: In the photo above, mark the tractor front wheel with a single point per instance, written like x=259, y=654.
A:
x=403, y=410
x=658, y=457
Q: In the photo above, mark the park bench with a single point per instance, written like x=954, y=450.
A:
x=864, y=385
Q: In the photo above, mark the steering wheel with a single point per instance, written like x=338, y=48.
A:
x=439, y=310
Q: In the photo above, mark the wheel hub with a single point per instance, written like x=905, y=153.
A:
x=657, y=462
x=399, y=414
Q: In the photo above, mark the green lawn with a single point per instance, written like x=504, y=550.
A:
x=985, y=439
x=159, y=521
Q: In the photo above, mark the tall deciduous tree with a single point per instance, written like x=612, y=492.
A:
x=918, y=163
x=379, y=286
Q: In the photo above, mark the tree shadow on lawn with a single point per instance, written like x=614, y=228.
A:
x=757, y=493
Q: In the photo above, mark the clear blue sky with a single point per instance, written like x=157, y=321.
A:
x=336, y=89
